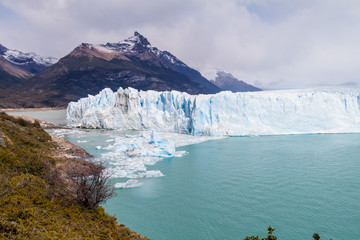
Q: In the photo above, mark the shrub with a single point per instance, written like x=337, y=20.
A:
x=92, y=186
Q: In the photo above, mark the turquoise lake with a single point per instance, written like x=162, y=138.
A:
x=230, y=188
x=238, y=186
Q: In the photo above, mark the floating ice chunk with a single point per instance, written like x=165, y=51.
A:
x=98, y=147
x=82, y=141
x=147, y=174
x=131, y=183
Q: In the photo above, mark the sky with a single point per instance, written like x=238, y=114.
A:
x=273, y=44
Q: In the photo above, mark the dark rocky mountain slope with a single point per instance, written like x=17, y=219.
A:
x=89, y=68
x=11, y=74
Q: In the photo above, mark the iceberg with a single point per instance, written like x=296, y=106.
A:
x=236, y=114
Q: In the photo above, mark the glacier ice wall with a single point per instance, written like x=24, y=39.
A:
x=225, y=113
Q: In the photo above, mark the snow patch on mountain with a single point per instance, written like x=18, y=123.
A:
x=20, y=58
x=102, y=48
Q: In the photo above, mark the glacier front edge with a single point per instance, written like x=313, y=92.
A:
x=225, y=113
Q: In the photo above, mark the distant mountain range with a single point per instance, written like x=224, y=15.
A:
x=16, y=66
x=46, y=82
x=30, y=62
x=228, y=82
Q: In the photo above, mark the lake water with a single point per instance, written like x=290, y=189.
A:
x=237, y=186
x=57, y=117
x=230, y=188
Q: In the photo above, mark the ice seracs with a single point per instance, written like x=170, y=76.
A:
x=225, y=113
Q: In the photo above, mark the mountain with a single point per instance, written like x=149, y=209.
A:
x=90, y=68
x=228, y=82
x=11, y=74
x=30, y=62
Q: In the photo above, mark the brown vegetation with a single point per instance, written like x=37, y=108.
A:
x=45, y=196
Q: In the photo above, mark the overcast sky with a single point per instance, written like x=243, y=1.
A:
x=270, y=43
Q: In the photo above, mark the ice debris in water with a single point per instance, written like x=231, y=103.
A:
x=131, y=183
x=128, y=155
x=226, y=113
x=147, y=174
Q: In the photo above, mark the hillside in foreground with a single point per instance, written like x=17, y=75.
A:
x=39, y=197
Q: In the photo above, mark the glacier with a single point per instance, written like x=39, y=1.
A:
x=329, y=110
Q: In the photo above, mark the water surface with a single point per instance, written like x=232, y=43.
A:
x=230, y=188
x=57, y=117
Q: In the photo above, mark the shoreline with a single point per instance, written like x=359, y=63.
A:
x=31, y=109
x=66, y=149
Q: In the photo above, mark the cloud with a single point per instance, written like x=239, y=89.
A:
x=275, y=43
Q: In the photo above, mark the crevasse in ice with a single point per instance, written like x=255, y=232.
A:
x=225, y=113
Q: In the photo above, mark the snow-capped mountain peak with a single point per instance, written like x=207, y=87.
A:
x=30, y=62
x=139, y=39
x=134, y=45
x=20, y=58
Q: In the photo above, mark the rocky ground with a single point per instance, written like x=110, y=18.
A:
x=68, y=149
